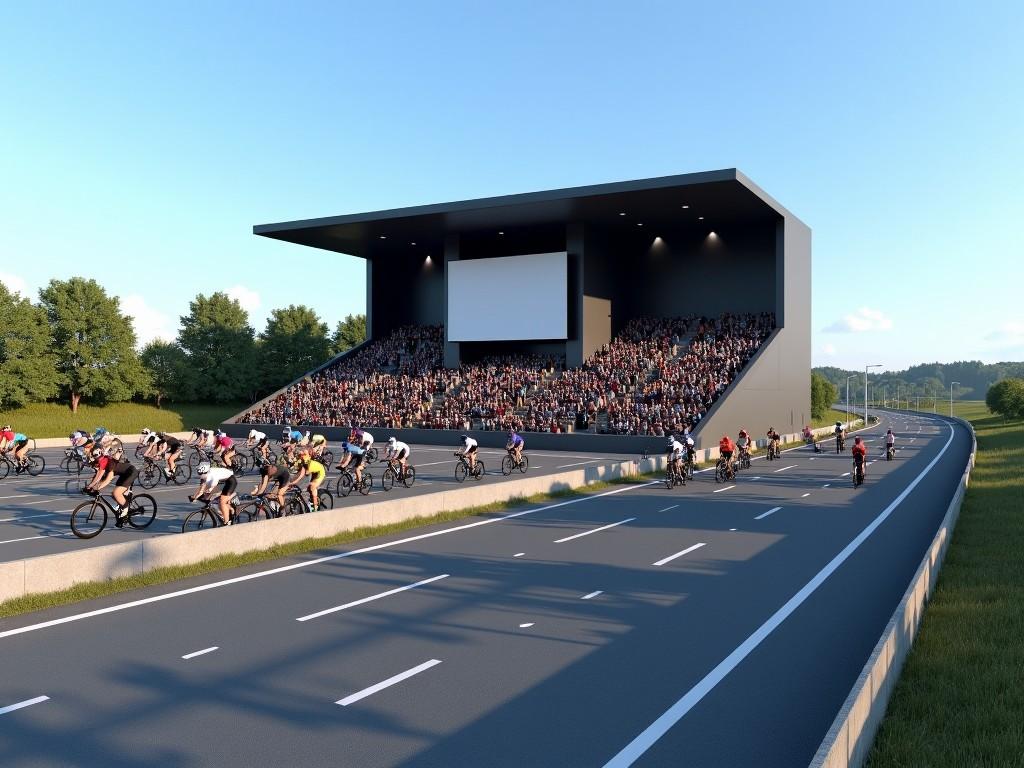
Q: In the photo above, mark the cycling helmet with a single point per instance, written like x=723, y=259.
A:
x=344, y=445
x=857, y=439
x=464, y=437
x=219, y=433
x=203, y=468
x=392, y=441
x=70, y=437
x=101, y=430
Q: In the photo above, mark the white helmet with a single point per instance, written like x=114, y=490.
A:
x=145, y=430
x=392, y=440
x=203, y=468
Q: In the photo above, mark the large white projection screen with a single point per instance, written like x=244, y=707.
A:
x=511, y=298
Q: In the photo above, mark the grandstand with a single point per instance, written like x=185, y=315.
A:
x=599, y=318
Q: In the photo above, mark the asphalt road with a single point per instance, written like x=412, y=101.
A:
x=713, y=625
x=35, y=511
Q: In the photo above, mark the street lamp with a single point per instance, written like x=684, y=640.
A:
x=866, y=391
x=885, y=398
x=951, y=397
x=897, y=397
x=851, y=376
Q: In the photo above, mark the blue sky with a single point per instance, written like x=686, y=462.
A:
x=140, y=142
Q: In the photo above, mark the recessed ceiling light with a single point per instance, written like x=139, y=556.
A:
x=501, y=233
x=685, y=206
x=700, y=218
x=639, y=223
x=383, y=237
x=412, y=243
x=622, y=213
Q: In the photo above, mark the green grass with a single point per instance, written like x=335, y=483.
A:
x=960, y=699
x=833, y=416
x=41, y=420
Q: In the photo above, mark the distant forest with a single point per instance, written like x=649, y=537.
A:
x=924, y=381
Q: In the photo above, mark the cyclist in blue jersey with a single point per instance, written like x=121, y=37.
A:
x=515, y=444
x=355, y=455
x=20, y=443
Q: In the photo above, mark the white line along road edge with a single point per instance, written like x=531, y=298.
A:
x=23, y=704
x=371, y=598
x=593, y=530
x=636, y=748
x=353, y=698
x=307, y=563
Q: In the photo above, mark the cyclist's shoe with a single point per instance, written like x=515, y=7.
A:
x=122, y=518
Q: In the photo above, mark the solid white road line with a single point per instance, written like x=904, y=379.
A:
x=26, y=517
x=200, y=653
x=526, y=625
x=771, y=511
x=371, y=598
x=23, y=704
x=727, y=488
x=592, y=595
x=845, y=474
x=578, y=463
x=826, y=485
x=753, y=478
x=388, y=683
x=670, y=558
x=784, y=468
x=518, y=554
x=594, y=530
x=307, y=563
x=805, y=496
x=666, y=509
x=636, y=748
x=19, y=496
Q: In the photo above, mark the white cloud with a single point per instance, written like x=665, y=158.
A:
x=149, y=323
x=248, y=298
x=828, y=349
x=864, y=319
x=1009, y=334
x=14, y=284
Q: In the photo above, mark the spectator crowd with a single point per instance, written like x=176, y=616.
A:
x=657, y=376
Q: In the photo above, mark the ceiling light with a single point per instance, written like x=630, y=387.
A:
x=412, y=243
x=622, y=213
x=685, y=207
x=383, y=237
x=639, y=224
x=501, y=233
x=700, y=218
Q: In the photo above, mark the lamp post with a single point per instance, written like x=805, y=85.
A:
x=885, y=398
x=851, y=376
x=897, y=397
x=951, y=397
x=866, y=391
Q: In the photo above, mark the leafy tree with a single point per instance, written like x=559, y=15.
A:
x=348, y=333
x=218, y=340
x=93, y=342
x=823, y=395
x=169, y=372
x=1006, y=397
x=295, y=341
x=27, y=371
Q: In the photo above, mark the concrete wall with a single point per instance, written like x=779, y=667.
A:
x=597, y=324
x=848, y=741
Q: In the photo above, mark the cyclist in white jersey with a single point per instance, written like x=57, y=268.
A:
x=469, y=447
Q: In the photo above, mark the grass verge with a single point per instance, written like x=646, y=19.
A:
x=960, y=698
x=41, y=420
x=91, y=590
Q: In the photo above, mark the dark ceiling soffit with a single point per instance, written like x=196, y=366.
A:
x=525, y=198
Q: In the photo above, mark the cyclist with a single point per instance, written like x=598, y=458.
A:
x=890, y=442
x=743, y=443
x=310, y=466
x=860, y=452
x=19, y=441
x=773, y=440
x=397, y=451
x=361, y=438
x=149, y=439
x=208, y=479
x=469, y=446
x=169, y=447
x=318, y=443
x=355, y=455
x=102, y=437
x=272, y=473
x=515, y=444
x=840, y=434
x=81, y=442
x=224, y=447
x=258, y=439
x=726, y=448
x=691, y=448
x=675, y=454
x=110, y=463
x=202, y=438
x=810, y=439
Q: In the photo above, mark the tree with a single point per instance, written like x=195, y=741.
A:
x=349, y=332
x=295, y=341
x=1006, y=397
x=823, y=395
x=218, y=340
x=93, y=342
x=27, y=371
x=169, y=371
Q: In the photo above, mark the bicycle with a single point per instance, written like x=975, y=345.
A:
x=675, y=477
x=208, y=515
x=744, y=461
x=773, y=450
x=857, y=475
x=198, y=456
x=296, y=502
x=151, y=473
x=346, y=482
x=689, y=464
x=840, y=443
x=34, y=465
x=462, y=470
x=256, y=458
x=725, y=471
x=259, y=507
x=74, y=461
x=890, y=452
x=509, y=463
x=394, y=474
x=89, y=518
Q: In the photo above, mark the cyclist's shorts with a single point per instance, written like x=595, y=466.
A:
x=126, y=478
x=20, y=444
x=262, y=442
x=173, y=446
x=402, y=454
x=471, y=450
x=281, y=476
x=726, y=455
x=357, y=460
x=228, y=486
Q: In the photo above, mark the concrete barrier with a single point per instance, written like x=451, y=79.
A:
x=51, y=573
x=848, y=741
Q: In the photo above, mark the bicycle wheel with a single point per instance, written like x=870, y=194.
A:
x=327, y=459
x=36, y=465
x=239, y=463
x=371, y=455
x=409, y=477
x=149, y=476
x=198, y=520
x=271, y=457
x=88, y=519
x=524, y=464
x=366, y=484
x=65, y=464
x=182, y=473
x=139, y=450
x=294, y=506
x=479, y=470
x=669, y=482
x=720, y=473
x=387, y=480
x=507, y=465
x=326, y=498
x=344, y=484
x=141, y=511
x=5, y=467
x=195, y=458
x=461, y=470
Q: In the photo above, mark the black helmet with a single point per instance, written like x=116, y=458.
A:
x=464, y=437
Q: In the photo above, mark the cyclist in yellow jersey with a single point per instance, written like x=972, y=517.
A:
x=310, y=466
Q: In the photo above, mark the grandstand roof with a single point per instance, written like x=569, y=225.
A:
x=722, y=196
